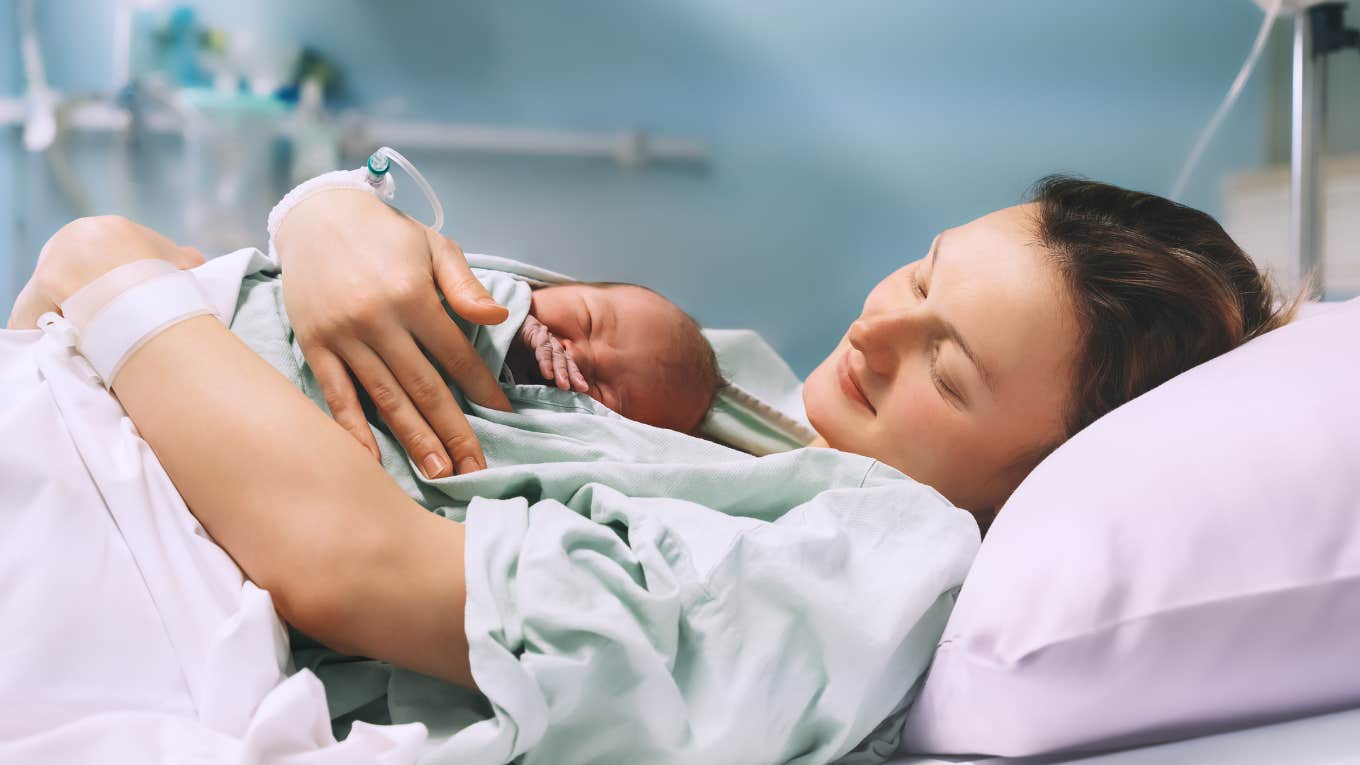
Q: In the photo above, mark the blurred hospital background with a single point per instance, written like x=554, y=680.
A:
x=761, y=162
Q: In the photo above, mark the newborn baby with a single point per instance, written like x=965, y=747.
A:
x=625, y=346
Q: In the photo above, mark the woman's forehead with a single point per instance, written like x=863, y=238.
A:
x=1003, y=292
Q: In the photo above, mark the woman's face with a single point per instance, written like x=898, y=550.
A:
x=959, y=367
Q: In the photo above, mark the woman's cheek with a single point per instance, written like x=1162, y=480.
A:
x=919, y=424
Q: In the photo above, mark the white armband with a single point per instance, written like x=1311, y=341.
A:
x=86, y=302
x=336, y=179
x=107, y=334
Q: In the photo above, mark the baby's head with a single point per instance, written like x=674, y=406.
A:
x=640, y=355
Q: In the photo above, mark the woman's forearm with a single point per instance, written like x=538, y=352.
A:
x=298, y=503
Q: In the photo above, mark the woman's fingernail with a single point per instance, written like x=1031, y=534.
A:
x=433, y=465
x=487, y=300
x=468, y=465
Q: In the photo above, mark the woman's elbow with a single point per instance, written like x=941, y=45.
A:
x=320, y=612
x=322, y=595
x=393, y=591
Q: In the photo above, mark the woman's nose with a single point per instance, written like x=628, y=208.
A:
x=883, y=337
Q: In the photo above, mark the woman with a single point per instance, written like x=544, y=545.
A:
x=964, y=369
x=1109, y=291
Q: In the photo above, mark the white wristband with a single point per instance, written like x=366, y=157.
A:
x=135, y=316
x=336, y=179
x=81, y=307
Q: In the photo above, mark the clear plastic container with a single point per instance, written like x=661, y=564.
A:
x=233, y=172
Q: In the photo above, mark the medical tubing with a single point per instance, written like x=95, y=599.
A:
x=424, y=185
x=1235, y=90
x=134, y=316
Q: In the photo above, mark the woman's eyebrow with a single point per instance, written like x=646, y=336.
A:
x=952, y=332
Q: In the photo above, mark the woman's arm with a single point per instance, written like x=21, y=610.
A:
x=347, y=557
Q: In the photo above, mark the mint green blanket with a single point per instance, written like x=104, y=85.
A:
x=638, y=595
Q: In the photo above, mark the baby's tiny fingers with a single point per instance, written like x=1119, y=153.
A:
x=544, y=353
x=578, y=380
x=559, y=360
x=528, y=331
x=535, y=336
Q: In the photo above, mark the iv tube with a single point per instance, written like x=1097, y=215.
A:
x=378, y=166
x=1240, y=82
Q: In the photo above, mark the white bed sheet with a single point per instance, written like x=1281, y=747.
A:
x=129, y=635
x=1330, y=739
x=138, y=640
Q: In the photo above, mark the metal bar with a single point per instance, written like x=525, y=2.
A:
x=628, y=147
x=1306, y=143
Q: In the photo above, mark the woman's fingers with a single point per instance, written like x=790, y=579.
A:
x=456, y=355
x=466, y=295
x=430, y=393
x=341, y=398
x=405, y=387
x=470, y=300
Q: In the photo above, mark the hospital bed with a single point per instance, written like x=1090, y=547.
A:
x=1327, y=739
x=195, y=664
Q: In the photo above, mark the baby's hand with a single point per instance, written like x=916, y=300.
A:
x=554, y=361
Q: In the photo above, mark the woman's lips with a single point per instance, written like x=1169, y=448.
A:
x=849, y=385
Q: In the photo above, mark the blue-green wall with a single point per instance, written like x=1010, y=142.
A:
x=844, y=134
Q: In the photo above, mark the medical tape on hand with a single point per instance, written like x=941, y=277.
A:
x=134, y=316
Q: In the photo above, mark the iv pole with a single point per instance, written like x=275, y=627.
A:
x=1306, y=137
x=1318, y=30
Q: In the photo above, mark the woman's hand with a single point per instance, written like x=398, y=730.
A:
x=84, y=250
x=361, y=284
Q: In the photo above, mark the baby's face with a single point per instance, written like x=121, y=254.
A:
x=624, y=340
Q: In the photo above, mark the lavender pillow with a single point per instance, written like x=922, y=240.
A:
x=1189, y=563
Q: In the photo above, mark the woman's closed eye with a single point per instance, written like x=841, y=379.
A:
x=947, y=391
x=916, y=284
x=941, y=384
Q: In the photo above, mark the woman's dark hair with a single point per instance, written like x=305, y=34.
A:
x=1158, y=288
